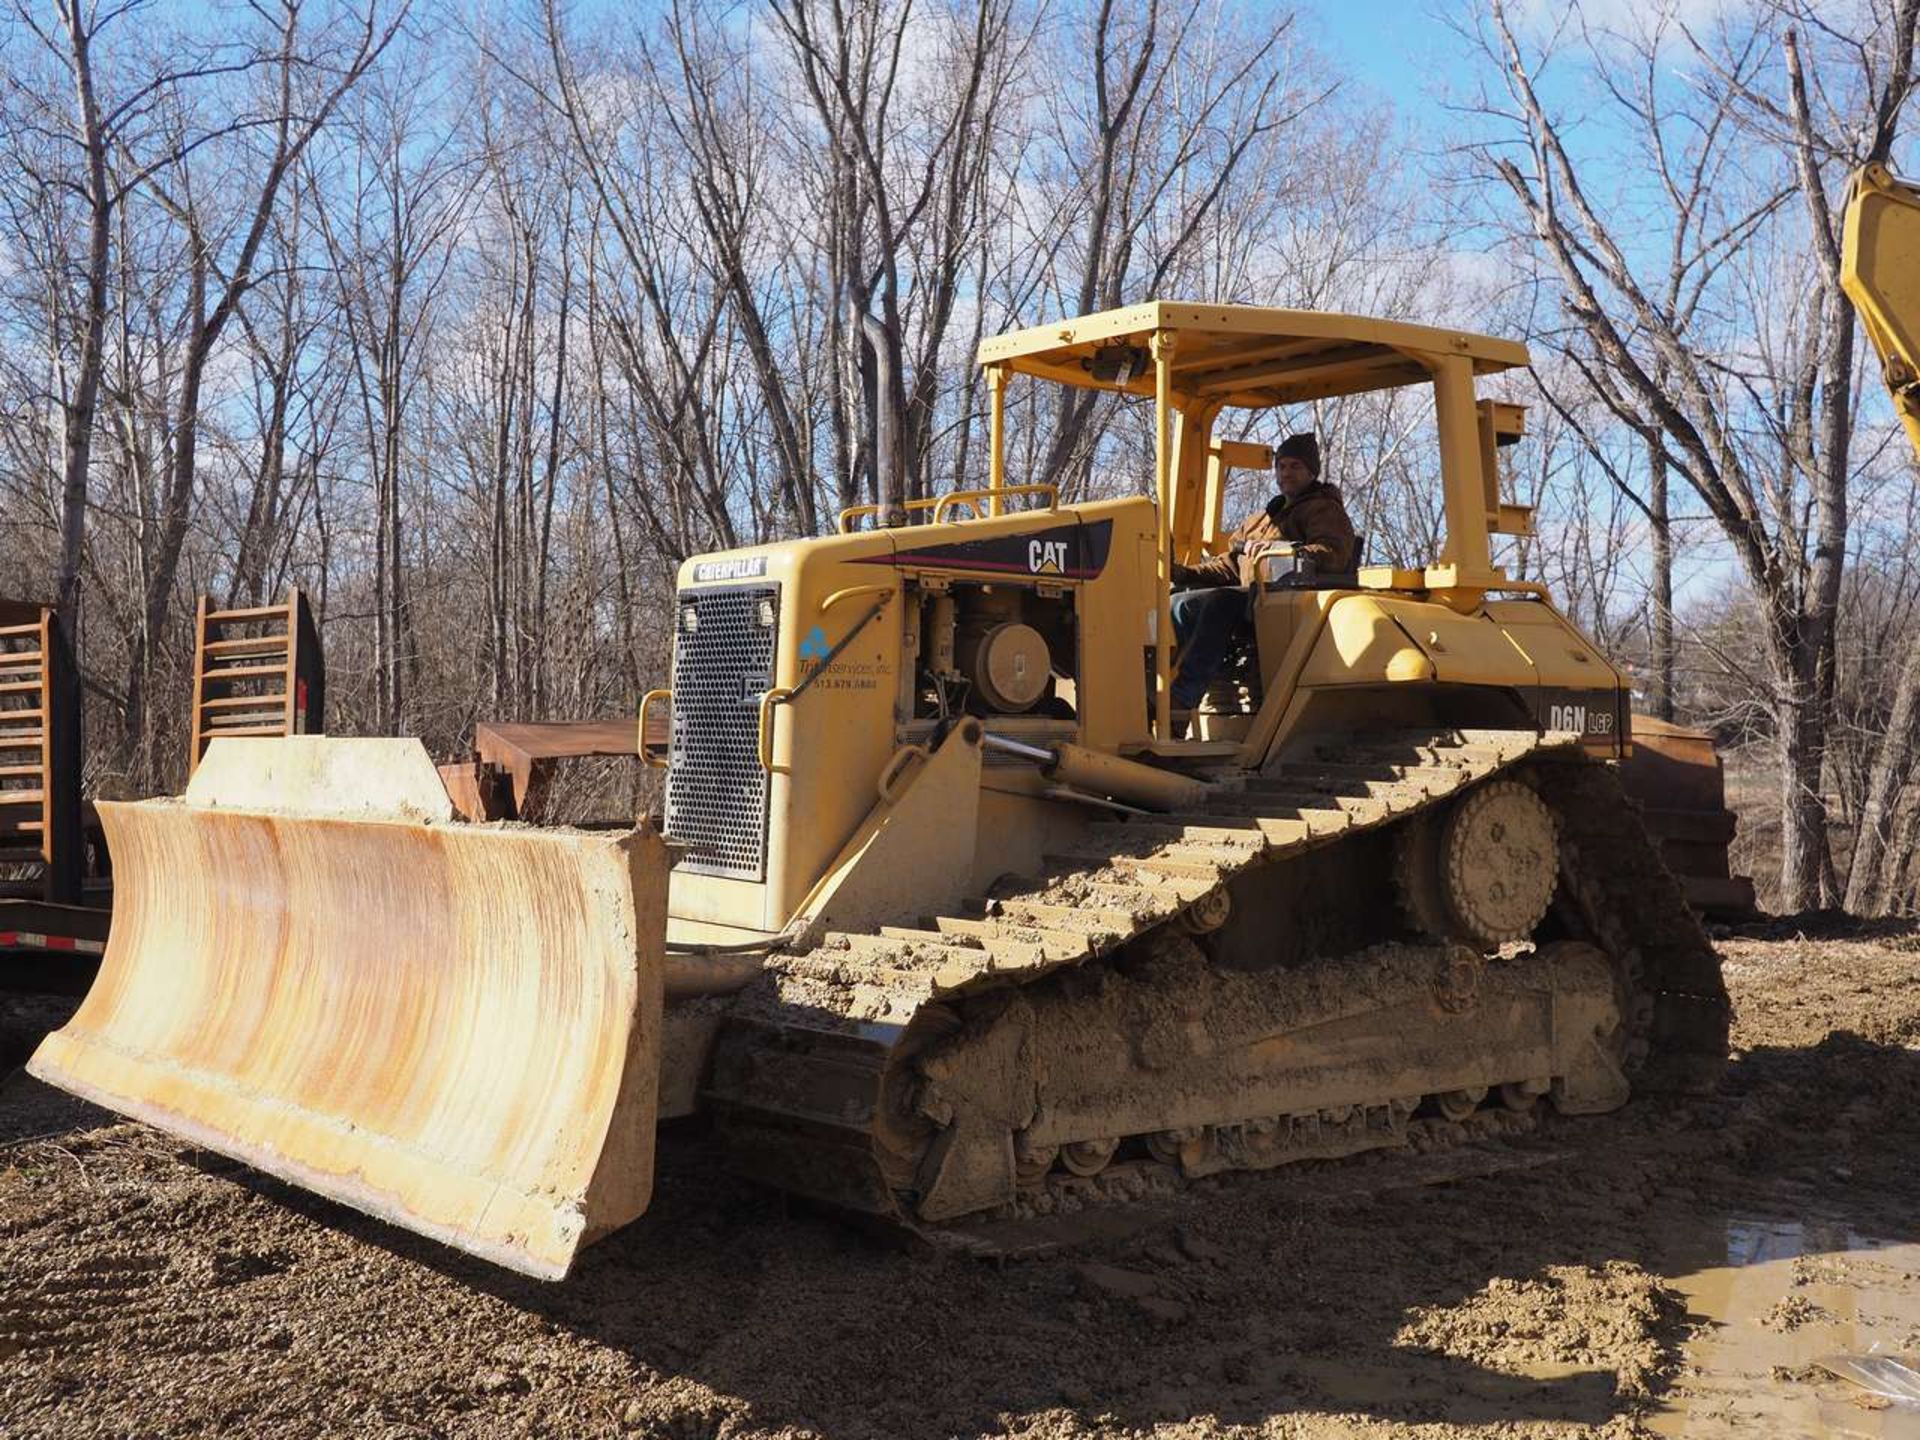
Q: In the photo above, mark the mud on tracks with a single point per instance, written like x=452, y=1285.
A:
x=146, y=1289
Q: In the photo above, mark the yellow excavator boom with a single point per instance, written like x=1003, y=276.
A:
x=1880, y=271
x=315, y=969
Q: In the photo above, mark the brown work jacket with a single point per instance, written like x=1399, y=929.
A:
x=1315, y=521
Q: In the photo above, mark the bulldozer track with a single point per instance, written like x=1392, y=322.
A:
x=1679, y=1014
x=821, y=1064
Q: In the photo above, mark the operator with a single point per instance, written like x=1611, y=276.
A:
x=1214, y=597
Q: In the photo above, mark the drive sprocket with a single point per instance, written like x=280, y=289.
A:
x=1484, y=871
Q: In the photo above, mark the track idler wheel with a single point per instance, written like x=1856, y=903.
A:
x=1087, y=1157
x=1484, y=871
x=1032, y=1162
x=1457, y=1105
x=1168, y=1146
x=1520, y=1096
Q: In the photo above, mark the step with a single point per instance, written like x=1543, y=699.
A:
x=1277, y=832
x=1144, y=895
x=1308, y=805
x=18, y=659
x=1440, y=754
x=1148, y=829
x=20, y=739
x=1359, y=809
x=248, y=645
x=1317, y=820
x=258, y=612
x=21, y=797
x=1186, y=869
x=235, y=673
x=1016, y=946
x=32, y=627
x=889, y=937
x=20, y=687
x=1090, y=919
x=1367, y=809
x=912, y=936
x=1224, y=831
x=15, y=772
x=1447, y=776
x=928, y=974
x=1318, y=782
x=1104, y=840
x=937, y=960
x=21, y=857
x=840, y=967
x=226, y=732
x=240, y=702
x=1257, y=807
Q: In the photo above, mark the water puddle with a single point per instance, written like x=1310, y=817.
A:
x=1778, y=1296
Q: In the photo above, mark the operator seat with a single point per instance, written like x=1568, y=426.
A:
x=1237, y=689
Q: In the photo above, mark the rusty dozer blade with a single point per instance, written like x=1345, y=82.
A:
x=315, y=970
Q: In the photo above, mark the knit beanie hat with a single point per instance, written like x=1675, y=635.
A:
x=1304, y=447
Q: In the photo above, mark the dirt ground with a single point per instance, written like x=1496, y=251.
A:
x=1677, y=1269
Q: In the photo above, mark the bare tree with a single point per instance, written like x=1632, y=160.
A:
x=307, y=76
x=1148, y=120
x=1779, y=496
x=389, y=225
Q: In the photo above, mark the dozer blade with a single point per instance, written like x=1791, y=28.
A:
x=313, y=969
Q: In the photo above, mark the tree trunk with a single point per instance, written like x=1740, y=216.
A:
x=1803, y=812
x=1899, y=876
x=1877, y=861
x=82, y=401
x=1661, y=666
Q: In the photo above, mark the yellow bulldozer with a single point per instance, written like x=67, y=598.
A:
x=953, y=917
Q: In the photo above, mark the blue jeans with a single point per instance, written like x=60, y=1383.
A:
x=1204, y=625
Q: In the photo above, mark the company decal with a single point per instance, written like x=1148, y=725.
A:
x=1069, y=552
x=739, y=567
x=840, y=673
x=1591, y=714
x=1047, y=557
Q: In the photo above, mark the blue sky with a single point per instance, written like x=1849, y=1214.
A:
x=1399, y=52
x=1394, y=47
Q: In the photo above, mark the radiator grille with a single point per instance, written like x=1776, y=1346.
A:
x=716, y=790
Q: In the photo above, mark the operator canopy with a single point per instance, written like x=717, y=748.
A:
x=1244, y=355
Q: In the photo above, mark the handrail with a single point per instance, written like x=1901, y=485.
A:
x=860, y=512
x=850, y=516
x=1278, y=550
x=778, y=695
x=646, y=757
x=891, y=772
x=852, y=591
x=973, y=498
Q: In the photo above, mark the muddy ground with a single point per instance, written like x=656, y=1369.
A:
x=1677, y=1269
